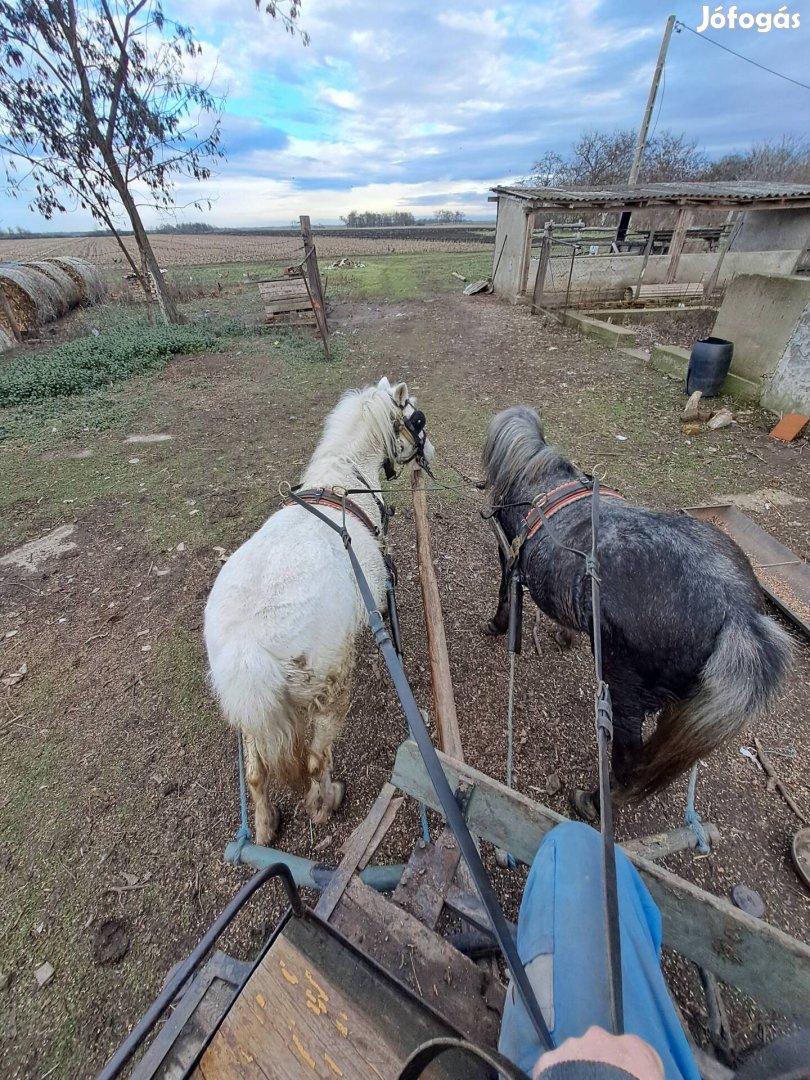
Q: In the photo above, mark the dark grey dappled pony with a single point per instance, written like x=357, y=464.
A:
x=684, y=636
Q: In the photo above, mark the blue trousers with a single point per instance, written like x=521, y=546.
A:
x=561, y=941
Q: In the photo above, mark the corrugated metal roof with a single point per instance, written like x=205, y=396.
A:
x=747, y=192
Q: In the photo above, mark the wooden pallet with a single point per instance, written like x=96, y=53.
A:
x=287, y=302
x=675, y=291
x=297, y=299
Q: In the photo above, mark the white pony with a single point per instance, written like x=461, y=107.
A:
x=285, y=610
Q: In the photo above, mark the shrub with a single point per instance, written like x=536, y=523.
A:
x=88, y=363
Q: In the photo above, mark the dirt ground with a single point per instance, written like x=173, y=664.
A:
x=118, y=779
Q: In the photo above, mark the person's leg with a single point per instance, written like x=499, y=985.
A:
x=562, y=943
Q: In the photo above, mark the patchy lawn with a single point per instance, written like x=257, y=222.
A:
x=118, y=778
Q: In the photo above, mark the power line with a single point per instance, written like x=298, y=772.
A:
x=682, y=26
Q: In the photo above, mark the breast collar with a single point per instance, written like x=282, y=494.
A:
x=335, y=498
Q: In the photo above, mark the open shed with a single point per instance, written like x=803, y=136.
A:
x=764, y=227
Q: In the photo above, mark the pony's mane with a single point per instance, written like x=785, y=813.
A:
x=516, y=457
x=359, y=423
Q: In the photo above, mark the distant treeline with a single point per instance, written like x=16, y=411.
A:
x=371, y=219
x=193, y=228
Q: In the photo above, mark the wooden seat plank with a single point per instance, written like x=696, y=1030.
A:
x=291, y=1021
x=314, y=1007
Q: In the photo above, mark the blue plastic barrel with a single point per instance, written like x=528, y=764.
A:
x=709, y=363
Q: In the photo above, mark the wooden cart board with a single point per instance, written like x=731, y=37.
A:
x=769, y=965
x=784, y=578
x=315, y=1008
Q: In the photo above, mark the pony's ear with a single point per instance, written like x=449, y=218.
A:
x=400, y=394
x=384, y=384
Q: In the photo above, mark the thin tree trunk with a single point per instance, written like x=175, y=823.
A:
x=168, y=308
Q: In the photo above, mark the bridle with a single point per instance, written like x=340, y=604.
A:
x=412, y=427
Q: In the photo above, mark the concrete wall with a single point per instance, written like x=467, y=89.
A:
x=773, y=230
x=768, y=318
x=789, y=389
x=510, y=235
x=614, y=273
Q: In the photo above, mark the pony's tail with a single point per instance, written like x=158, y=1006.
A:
x=254, y=690
x=748, y=668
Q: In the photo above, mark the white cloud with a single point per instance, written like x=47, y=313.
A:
x=343, y=99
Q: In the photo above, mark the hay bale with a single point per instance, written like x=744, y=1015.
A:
x=6, y=337
x=91, y=286
x=34, y=296
x=68, y=286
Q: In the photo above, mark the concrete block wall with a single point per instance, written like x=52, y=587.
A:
x=767, y=316
x=612, y=274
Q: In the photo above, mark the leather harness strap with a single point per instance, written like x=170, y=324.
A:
x=557, y=499
x=329, y=498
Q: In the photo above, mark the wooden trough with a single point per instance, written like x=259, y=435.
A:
x=352, y=987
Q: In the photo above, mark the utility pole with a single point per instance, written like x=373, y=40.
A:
x=641, y=142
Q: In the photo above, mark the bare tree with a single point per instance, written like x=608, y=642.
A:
x=785, y=159
x=602, y=158
x=97, y=110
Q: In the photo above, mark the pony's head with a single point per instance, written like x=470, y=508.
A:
x=408, y=436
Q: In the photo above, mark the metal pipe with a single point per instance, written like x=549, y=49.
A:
x=305, y=872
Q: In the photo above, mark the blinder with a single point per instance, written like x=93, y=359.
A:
x=414, y=427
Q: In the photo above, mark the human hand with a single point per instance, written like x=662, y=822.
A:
x=626, y=1052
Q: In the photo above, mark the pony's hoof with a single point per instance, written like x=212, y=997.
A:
x=583, y=804
x=564, y=638
x=337, y=793
x=267, y=826
x=491, y=629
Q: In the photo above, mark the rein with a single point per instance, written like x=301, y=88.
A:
x=544, y=507
x=452, y=810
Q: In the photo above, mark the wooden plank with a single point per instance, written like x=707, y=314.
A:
x=292, y=303
x=379, y=833
x=651, y=292
x=678, y=241
x=294, y=1022
x=425, y=880
x=760, y=960
x=291, y=319
x=286, y=287
x=444, y=704
x=355, y=848
x=468, y=998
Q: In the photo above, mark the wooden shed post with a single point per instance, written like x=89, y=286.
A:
x=527, y=253
x=542, y=270
x=678, y=240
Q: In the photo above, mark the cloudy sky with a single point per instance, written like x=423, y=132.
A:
x=423, y=104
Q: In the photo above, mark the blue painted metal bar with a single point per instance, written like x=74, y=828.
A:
x=305, y=872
